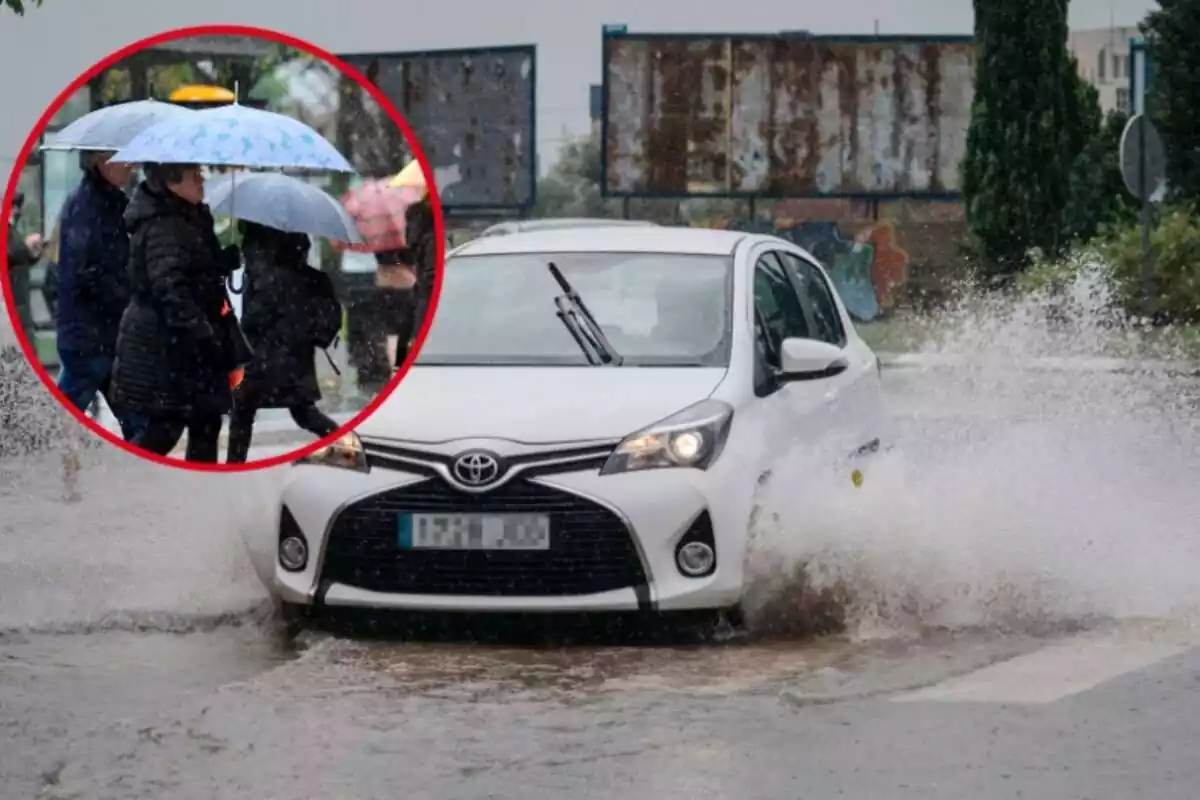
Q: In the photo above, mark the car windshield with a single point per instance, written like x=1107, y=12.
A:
x=655, y=309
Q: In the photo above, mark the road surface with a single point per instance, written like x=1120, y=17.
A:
x=1019, y=579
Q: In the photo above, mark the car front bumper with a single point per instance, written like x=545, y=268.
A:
x=653, y=509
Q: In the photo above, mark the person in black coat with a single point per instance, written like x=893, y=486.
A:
x=179, y=345
x=289, y=310
x=420, y=254
x=22, y=255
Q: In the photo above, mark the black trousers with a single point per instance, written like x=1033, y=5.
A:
x=241, y=427
x=162, y=434
x=411, y=327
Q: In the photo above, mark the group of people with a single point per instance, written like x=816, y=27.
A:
x=144, y=317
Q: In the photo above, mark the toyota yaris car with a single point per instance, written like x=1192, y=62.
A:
x=585, y=430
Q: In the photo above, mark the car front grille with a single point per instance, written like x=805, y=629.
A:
x=591, y=549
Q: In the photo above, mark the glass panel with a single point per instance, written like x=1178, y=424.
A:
x=116, y=86
x=776, y=299
x=79, y=104
x=62, y=174
x=31, y=213
x=656, y=309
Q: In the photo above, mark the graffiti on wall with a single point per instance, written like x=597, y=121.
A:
x=865, y=262
x=869, y=268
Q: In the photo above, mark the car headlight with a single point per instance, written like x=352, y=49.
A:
x=346, y=453
x=692, y=438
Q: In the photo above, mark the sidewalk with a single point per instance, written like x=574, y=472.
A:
x=274, y=427
x=1184, y=369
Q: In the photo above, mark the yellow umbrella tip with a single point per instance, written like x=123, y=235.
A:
x=202, y=94
x=411, y=175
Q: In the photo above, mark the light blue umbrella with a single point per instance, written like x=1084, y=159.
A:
x=235, y=136
x=281, y=202
x=115, y=126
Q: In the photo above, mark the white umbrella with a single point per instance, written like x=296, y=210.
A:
x=113, y=127
x=281, y=202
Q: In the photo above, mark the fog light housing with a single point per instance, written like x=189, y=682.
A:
x=293, y=553
x=696, y=551
x=695, y=559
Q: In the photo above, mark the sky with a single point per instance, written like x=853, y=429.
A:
x=41, y=53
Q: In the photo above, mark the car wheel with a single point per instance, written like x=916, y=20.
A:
x=294, y=618
x=735, y=617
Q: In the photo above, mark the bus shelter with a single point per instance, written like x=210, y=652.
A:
x=196, y=72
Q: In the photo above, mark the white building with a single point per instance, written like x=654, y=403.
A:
x=1104, y=62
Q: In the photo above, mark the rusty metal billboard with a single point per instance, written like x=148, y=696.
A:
x=785, y=116
x=474, y=113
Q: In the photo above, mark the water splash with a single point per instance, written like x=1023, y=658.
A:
x=1016, y=497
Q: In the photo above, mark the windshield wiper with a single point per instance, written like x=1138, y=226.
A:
x=571, y=322
x=580, y=323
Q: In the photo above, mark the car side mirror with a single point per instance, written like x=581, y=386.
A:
x=810, y=360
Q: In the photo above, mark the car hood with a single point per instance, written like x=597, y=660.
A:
x=536, y=405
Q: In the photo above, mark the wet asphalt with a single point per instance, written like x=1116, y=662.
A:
x=140, y=660
x=222, y=714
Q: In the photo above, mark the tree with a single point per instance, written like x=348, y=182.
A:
x=1172, y=44
x=571, y=188
x=18, y=6
x=1029, y=123
x=1098, y=196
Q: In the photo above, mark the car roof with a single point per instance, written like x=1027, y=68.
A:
x=637, y=239
x=552, y=223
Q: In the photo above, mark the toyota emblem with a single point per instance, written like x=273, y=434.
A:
x=476, y=468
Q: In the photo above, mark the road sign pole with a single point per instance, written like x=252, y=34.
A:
x=1144, y=170
x=1147, y=253
x=1138, y=81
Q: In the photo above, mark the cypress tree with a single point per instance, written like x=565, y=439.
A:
x=1028, y=126
x=1098, y=194
x=1173, y=45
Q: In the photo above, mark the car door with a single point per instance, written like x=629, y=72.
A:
x=798, y=416
x=855, y=395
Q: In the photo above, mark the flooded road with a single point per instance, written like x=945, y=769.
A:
x=1004, y=636
x=217, y=714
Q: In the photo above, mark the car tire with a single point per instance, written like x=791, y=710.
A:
x=294, y=618
x=735, y=617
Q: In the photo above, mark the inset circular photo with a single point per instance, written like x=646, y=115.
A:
x=223, y=250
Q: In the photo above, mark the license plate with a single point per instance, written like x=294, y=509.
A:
x=474, y=532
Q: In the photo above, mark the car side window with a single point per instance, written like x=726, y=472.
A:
x=819, y=295
x=778, y=311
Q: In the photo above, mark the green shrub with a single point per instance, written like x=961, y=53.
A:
x=1053, y=276
x=1175, y=277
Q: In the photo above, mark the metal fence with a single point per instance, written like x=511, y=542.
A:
x=784, y=116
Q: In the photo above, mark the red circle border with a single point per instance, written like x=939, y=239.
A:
x=279, y=38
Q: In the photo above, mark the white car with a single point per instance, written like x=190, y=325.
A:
x=555, y=223
x=585, y=430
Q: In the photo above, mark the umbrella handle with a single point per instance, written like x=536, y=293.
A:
x=332, y=365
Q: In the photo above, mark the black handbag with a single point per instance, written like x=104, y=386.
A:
x=237, y=349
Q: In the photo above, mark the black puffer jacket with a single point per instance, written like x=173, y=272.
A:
x=288, y=310
x=176, y=347
x=421, y=238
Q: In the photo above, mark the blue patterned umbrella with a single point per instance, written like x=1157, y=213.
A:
x=235, y=136
x=115, y=126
